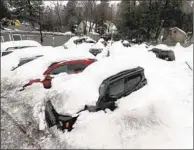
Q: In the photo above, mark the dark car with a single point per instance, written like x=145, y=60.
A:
x=111, y=89
x=164, y=54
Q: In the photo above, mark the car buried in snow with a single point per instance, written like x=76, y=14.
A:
x=111, y=89
x=77, y=41
x=167, y=55
x=65, y=66
x=23, y=56
x=43, y=69
x=11, y=46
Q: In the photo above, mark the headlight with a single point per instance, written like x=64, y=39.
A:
x=102, y=89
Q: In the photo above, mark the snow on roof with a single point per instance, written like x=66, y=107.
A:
x=69, y=33
x=9, y=44
x=125, y=42
x=70, y=43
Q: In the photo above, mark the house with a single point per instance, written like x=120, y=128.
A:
x=171, y=36
x=86, y=26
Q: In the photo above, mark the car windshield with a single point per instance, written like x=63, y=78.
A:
x=18, y=47
x=26, y=60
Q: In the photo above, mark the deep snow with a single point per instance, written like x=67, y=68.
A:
x=159, y=115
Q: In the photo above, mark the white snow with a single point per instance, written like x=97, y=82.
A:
x=70, y=43
x=8, y=44
x=125, y=42
x=19, y=54
x=36, y=68
x=69, y=33
x=159, y=115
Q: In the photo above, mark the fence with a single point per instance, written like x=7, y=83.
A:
x=49, y=38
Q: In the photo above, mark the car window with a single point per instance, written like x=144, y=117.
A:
x=72, y=68
x=132, y=82
x=6, y=53
x=116, y=88
x=18, y=47
x=59, y=69
x=26, y=60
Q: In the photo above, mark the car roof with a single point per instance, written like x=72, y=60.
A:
x=37, y=67
x=22, y=43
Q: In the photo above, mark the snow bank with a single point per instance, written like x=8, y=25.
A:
x=158, y=115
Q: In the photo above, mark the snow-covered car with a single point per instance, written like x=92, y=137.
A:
x=100, y=49
x=77, y=41
x=66, y=66
x=46, y=67
x=23, y=56
x=126, y=43
x=102, y=89
x=10, y=46
x=163, y=54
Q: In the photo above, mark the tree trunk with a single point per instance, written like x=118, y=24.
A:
x=40, y=27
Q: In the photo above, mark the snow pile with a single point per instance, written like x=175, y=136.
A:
x=22, y=43
x=158, y=115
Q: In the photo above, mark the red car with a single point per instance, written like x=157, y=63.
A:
x=70, y=67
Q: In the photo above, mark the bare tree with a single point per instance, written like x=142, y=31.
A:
x=90, y=13
x=58, y=8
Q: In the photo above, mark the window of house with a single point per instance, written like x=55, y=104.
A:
x=17, y=37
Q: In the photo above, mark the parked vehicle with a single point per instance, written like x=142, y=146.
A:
x=126, y=43
x=23, y=56
x=10, y=46
x=99, y=48
x=164, y=54
x=76, y=40
x=110, y=90
x=65, y=66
